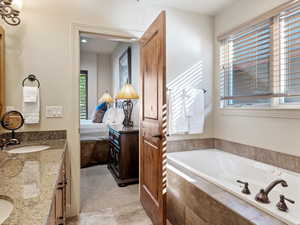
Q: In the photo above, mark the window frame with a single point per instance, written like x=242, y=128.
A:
x=275, y=102
x=84, y=73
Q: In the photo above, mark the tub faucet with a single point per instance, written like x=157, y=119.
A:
x=263, y=195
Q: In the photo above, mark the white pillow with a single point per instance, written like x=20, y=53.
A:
x=119, y=116
x=108, y=114
x=113, y=116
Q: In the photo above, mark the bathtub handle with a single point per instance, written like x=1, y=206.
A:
x=281, y=205
x=246, y=187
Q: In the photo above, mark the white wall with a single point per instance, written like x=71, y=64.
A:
x=42, y=45
x=105, y=75
x=135, y=73
x=259, y=128
x=89, y=62
x=190, y=59
x=99, y=69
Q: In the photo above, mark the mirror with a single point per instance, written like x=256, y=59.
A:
x=12, y=120
x=2, y=71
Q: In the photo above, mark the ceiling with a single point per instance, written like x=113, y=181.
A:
x=209, y=7
x=97, y=44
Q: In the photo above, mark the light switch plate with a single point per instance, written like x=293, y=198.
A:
x=10, y=108
x=54, y=111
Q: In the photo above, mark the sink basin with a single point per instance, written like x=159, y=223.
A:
x=29, y=149
x=6, y=208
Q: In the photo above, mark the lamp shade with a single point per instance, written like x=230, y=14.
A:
x=127, y=92
x=106, y=98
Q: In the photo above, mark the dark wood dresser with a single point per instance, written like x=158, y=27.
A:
x=123, y=161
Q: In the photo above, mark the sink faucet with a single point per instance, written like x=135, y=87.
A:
x=4, y=142
x=263, y=195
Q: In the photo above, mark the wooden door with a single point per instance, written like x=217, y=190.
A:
x=152, y=138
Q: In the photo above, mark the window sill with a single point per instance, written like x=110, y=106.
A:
x=286, y=111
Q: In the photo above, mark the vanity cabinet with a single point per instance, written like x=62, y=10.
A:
x=123, y=160
x=2, y=71
x=58, y=208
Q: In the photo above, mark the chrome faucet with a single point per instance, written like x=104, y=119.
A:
x=263, y=195
x=3, y=143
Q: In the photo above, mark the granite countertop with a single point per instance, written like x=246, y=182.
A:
x=29, y=181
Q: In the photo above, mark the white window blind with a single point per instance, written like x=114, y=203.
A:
x=290, y=55
x=246, y=65
x=260, y=64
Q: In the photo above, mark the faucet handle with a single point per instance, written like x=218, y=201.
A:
x=3, y=143
x=246, y=187
x=281, y=205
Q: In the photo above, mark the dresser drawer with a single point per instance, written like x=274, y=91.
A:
x=114, y=138
x=123, y=154
x=114, y=160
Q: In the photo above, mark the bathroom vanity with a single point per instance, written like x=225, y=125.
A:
x=57, y=214
x=33, y=179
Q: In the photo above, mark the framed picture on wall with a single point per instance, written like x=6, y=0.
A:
x=125, y=67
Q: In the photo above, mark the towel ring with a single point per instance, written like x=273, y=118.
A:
x=31, y=78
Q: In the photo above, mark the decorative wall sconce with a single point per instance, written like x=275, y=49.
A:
x=8, y=13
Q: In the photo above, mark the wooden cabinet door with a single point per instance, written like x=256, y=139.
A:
x=2, y=71
x=59, y=209
x=52, y=216
x=152, y=138
x=60, y=198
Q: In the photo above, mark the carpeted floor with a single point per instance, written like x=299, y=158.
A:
x=104, y=203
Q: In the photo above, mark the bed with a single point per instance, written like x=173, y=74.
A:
x=94, y=148
x=90, y=131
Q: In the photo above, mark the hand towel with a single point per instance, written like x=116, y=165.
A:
x=30, y=94
x=31, y=109
x=196, y=112
x=178, y=123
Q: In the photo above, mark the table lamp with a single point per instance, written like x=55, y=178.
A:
x=106, y=97
x=127, y=93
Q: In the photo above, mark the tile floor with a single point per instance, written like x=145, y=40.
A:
x=104, y=203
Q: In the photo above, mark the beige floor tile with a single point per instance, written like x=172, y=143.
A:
x=103, y=202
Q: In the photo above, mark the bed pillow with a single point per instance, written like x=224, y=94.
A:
x=99, y=114
x=108, y=115
x=119, y=116
x=113, y=116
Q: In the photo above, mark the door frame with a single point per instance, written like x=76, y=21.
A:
x=73, y=134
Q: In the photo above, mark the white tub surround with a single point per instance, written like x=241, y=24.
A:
x=224, y=169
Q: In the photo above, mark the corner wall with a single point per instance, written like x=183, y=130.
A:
x=190, y=60
x=135, y=73
x=88, y=62
x=277, y=130
x=105, y=78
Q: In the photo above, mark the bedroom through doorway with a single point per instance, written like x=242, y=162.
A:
x=109, y=75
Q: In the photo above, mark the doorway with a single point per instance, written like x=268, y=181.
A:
x=107, y=198
x=77, y=30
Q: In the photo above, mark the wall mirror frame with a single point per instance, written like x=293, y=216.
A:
x=2, y=71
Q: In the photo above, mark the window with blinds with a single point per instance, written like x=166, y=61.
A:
x=83, y=94
x=260, y=64
x=290, y=55
x=246, y=59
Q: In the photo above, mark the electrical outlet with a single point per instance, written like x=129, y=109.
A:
x=54, y=111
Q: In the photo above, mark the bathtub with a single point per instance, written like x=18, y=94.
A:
x=223, y=169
